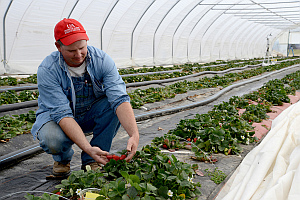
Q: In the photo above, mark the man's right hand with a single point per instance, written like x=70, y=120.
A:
x=74, y=132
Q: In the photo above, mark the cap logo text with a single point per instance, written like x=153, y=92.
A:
x=71, y=28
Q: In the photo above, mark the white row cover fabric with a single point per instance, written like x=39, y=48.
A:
x=272, y=169
x=145, y=32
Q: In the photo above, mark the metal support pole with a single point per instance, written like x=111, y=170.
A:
x=4, y=33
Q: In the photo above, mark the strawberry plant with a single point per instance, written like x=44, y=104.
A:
x=168, y=142
x=45, y=196
x=11, y=96
x=146, y=177
x=18, y=124
x=217, y=175
x=293, y=80
x=255, y=113
x=8, y=97
x=8, y=81
x=11, y=81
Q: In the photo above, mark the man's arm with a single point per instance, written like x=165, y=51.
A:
x=75, y=133
x=127, y=120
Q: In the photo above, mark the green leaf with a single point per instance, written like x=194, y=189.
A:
x=151, y=187
x=171, y=178
x=148, y=176
x=113, y=193
x=54, y=197
x=124, y=197
x=65, y=182
x=137, y=186
x=146, y=197
x=134, y=178
x=29, y=196
x=125, y=175
x=195, y=149
x=132, y=192
x=163, y=191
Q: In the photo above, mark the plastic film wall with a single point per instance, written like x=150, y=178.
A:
x=144, y=32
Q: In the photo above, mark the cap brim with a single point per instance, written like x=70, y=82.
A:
x=74, y=38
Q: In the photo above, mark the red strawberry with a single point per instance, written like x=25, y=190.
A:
x=122, y=157
x=189, y=139
x=109, y=157
x=195, y=139
x=165, y=146
x=115, y=157
x=169, y=161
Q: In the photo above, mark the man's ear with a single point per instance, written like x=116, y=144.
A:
x=58, y=46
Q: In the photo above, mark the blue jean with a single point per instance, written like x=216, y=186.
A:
x=92, y=115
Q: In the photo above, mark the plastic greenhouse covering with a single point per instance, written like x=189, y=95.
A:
x=149, y=32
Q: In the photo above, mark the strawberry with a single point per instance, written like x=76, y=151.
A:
x=122, y=157
x=109, y=157
x=115, y=157
x=195, y=139
x=169, y=161
x=165, y=146
x=189, y=139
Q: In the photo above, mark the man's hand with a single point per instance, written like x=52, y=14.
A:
x=127, y=119
x=98, y=155
x=74, y=132
x=132, y=145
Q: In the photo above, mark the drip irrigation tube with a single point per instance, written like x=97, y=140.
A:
x=150, y=73
x=34, y=149
x=32, y=87
x=17, y=106
x=19, y=155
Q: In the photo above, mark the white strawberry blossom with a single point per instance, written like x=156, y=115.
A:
x=78, y=192
x=170, y=193
x=190, y=179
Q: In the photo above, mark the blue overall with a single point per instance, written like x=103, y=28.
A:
x=92, y=115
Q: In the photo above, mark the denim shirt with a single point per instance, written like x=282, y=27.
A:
x=56, y=91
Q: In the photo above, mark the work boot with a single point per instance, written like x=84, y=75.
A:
x=60, y=169
x=94, y=166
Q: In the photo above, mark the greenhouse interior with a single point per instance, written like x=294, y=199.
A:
x=201, y=99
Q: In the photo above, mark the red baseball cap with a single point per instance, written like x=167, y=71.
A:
x=69, y=31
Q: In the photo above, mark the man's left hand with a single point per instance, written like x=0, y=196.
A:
x=132, y=145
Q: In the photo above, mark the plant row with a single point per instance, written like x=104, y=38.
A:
x=140, y=97
x=16, y=125
x=11, y=96
x=223, y=129
x=11, y=81
x=183, y=66
x=150, y=175
x=186, y=70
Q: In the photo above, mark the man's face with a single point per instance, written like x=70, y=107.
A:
x=75, y=53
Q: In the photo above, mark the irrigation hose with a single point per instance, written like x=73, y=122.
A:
x=34, y=149
x=19, y=155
